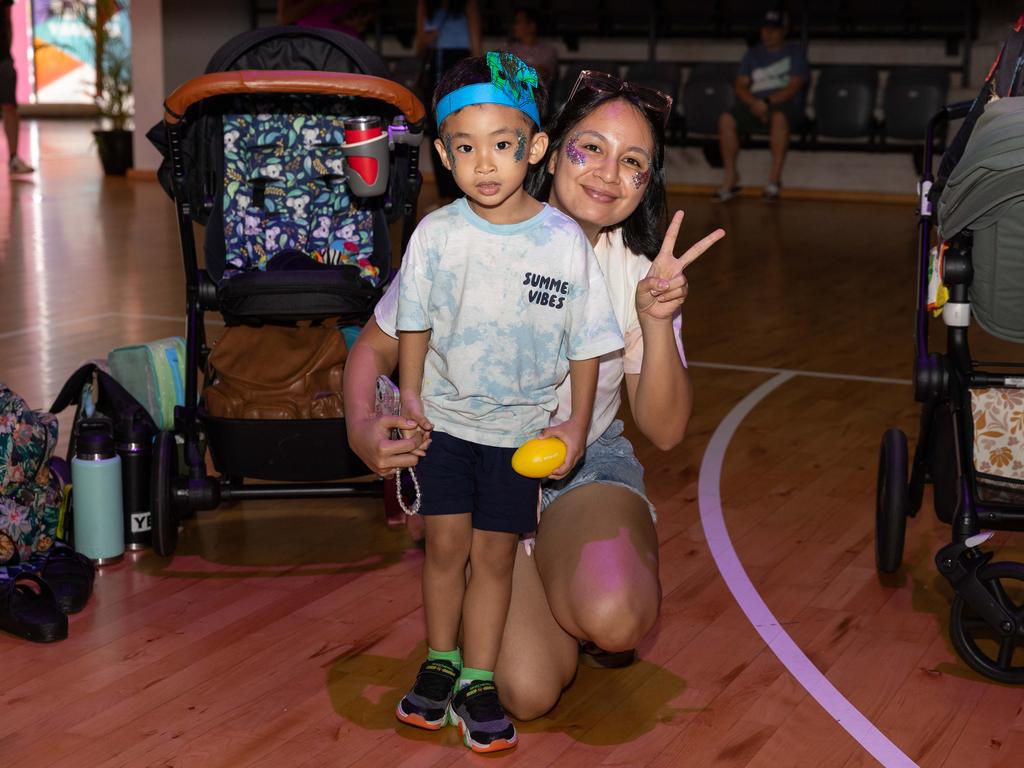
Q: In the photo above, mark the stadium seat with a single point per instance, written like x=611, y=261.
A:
x=707, y=94
x=878, y=18
x=629, y=18
x=569, y=22
x=690, y=19
x=571, y=70
x=844, y=102
x=743, y=17
x=953, y=18
x=912, y=95
x=824, y=17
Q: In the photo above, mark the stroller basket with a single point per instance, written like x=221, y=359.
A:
x=273, y=449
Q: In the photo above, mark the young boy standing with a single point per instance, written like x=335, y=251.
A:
x=501, y=296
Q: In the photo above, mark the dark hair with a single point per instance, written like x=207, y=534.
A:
x=643, y=229
x=475, y=70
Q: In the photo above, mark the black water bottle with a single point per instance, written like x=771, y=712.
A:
x=134, y=443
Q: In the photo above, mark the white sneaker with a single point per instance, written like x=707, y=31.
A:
x=17, y=165
x=725, y=194
x=772, y=191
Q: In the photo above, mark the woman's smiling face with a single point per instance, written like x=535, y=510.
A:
x=603, y=167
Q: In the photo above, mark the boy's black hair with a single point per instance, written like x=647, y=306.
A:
x=475, y=70
x=642, y=231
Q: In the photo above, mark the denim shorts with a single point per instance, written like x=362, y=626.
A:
x=609, y=459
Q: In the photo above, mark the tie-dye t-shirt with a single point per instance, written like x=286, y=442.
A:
x=508, y=306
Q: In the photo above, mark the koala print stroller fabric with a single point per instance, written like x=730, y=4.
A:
x=284, y=189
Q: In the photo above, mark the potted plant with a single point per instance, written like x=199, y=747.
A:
x=113, y=100
x=112, y=91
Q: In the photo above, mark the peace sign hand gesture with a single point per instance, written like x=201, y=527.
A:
x=664, y=290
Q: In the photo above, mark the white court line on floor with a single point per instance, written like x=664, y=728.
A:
x=753, y=605
x=54, y=324
x=105, y=315
x=169, y=318
x=812, y=374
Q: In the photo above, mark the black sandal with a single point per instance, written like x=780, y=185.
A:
x=593, y=656
x=68, y=573
x=28, y=609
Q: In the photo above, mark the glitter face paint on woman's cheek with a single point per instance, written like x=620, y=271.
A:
x=574, y=153
x=520, y=146
x=640, y=178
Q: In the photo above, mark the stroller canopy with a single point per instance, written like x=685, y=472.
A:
x=280, y=48
x=985, y=195
x=304, y=48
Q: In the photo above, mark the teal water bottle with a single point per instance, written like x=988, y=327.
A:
x=96, y=489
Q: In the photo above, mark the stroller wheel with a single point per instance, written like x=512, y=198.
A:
x=164, y=474
x=985, y=650
x=892, y=501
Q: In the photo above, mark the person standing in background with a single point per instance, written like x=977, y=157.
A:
x=8, y=89
x=527, y=45
x=447, y=31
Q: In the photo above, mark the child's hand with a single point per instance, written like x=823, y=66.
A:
x=412, y=409
x=574, y=436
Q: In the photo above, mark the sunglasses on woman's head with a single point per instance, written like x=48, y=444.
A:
x=651, y=99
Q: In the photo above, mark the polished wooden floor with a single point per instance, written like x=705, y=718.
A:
x=282, y=634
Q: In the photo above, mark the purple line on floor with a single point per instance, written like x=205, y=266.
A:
x=753, y=605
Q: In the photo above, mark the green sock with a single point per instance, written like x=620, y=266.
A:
x=469, y=674
x=455, y=657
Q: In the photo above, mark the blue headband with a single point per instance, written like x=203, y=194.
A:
x=499, y=91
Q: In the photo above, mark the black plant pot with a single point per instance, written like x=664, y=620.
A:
x=115, y=151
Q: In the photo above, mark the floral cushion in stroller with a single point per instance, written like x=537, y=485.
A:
x=285, y=190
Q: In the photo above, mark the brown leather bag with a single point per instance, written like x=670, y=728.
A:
x=276, y=372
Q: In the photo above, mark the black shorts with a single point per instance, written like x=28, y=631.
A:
x=457, y=476
x=8, y=82
x=748, y=122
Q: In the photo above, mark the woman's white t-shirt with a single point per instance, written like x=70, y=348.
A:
x=622, y=270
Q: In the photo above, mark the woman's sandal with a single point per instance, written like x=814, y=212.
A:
x=28, y=609
x=593, y=656
x=69, y=574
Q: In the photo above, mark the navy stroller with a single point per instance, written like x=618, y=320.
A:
x=255, y=151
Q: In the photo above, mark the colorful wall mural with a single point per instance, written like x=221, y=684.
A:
x=58, y=67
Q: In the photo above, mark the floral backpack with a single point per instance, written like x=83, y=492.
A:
x=30, y=492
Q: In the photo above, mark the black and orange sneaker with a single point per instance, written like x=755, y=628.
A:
x=481, y=719
x=426, y=705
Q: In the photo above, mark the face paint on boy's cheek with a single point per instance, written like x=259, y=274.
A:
x=640, y=178
x=448, y=150
x=574, y=153
x=520, y=146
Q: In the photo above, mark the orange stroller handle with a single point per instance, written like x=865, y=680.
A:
x=291, y=81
